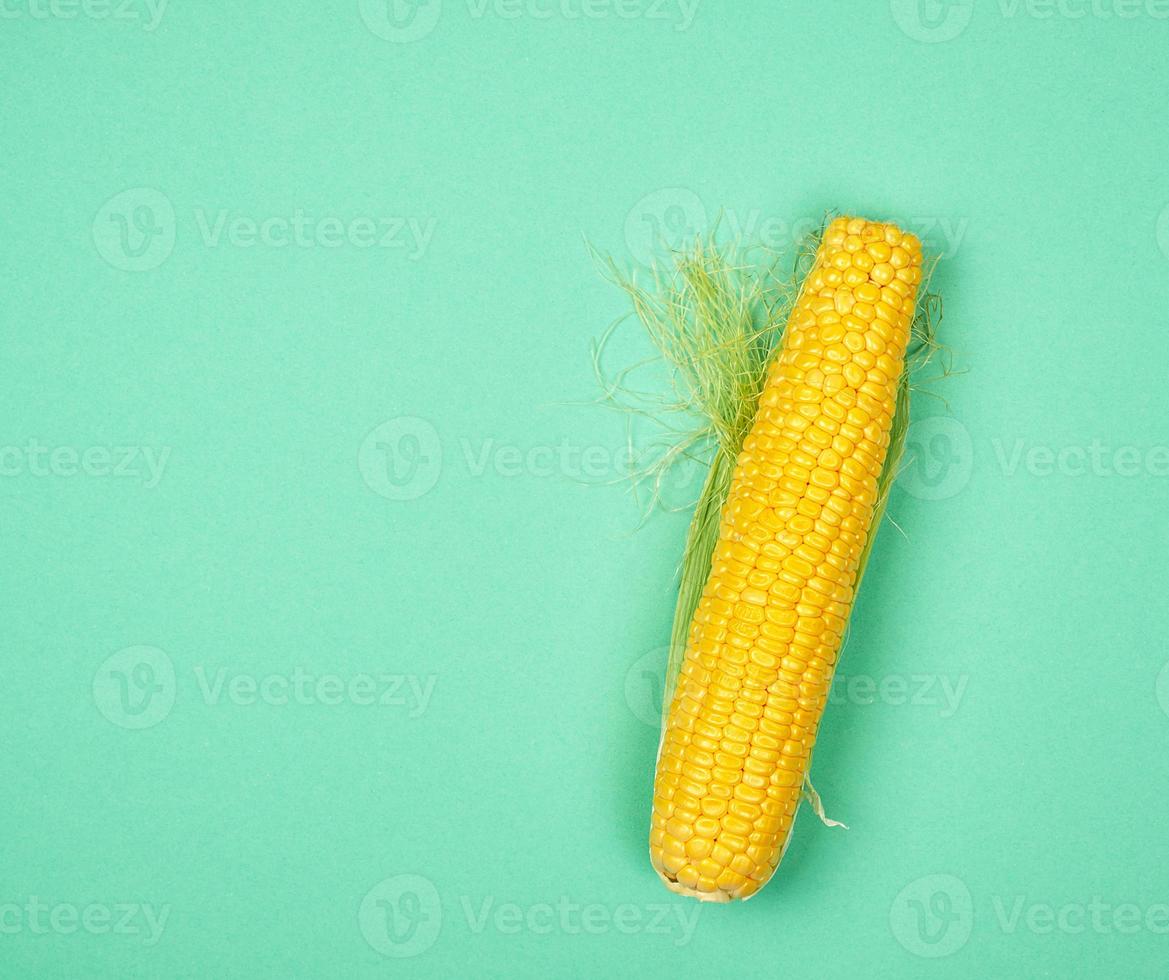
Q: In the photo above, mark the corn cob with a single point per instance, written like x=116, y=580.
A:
x=764, y=639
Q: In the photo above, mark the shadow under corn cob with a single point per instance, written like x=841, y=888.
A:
x=765, y=636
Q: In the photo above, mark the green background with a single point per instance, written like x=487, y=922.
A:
x=481, y=545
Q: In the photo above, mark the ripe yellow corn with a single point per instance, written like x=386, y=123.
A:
x=765, y=636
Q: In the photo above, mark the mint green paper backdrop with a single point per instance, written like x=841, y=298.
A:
x=330, y=646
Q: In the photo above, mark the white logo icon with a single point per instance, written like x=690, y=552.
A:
x=400, y=20
x=135, y=230
x=664, y=222
x=401, y=459
x=401, y=916
x=1163, y=230
x=135, y=687
x=932, y=21
x=939, y=457
x=932, y=916
x=645, y=686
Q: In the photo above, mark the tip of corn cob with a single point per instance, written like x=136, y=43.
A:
x=679, y=889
